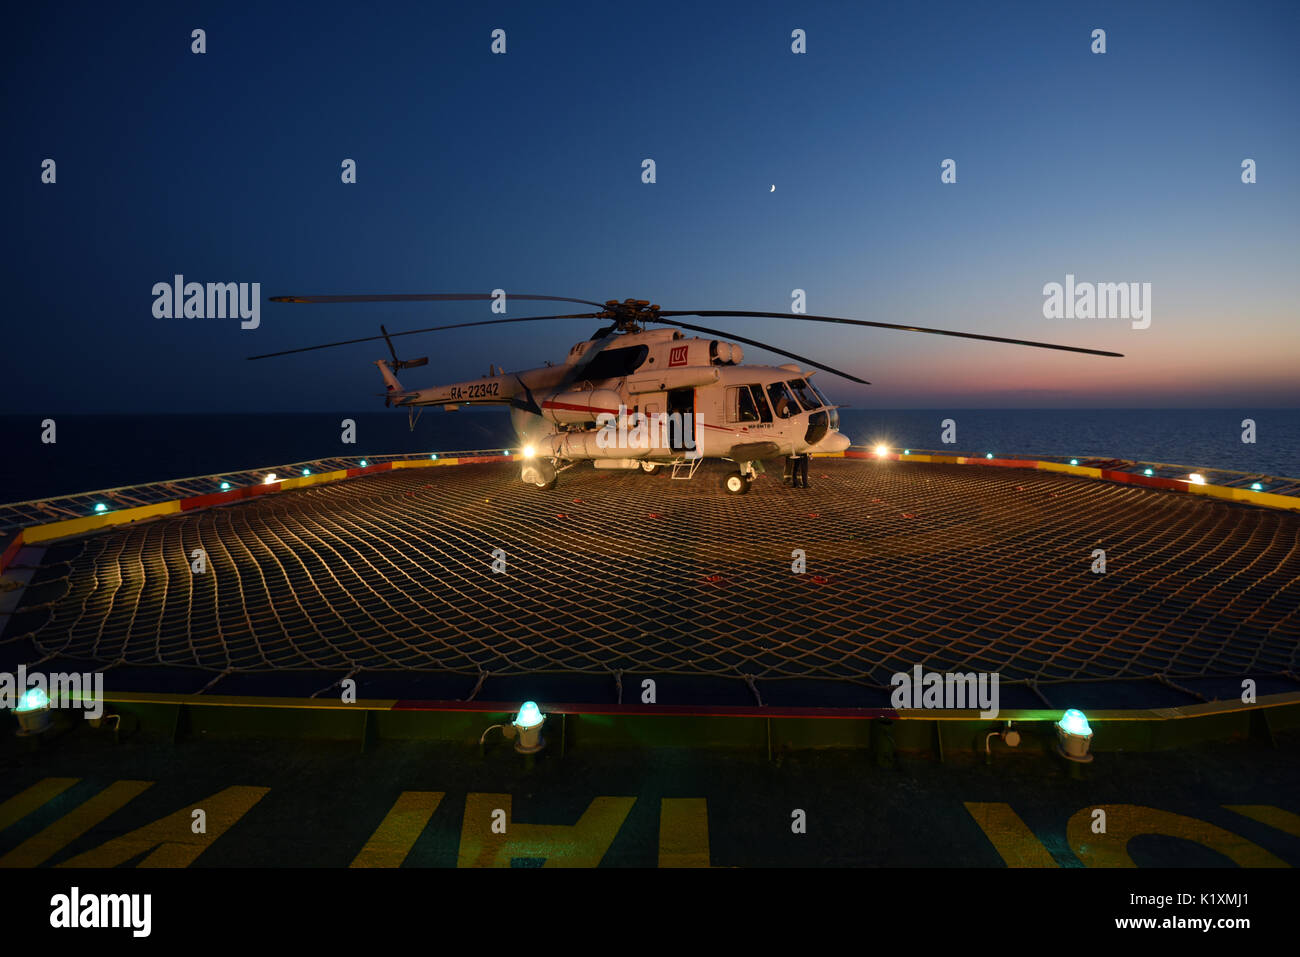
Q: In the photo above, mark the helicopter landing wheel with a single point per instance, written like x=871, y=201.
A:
x=650, y=468
x=736, y=484
x=548, y=485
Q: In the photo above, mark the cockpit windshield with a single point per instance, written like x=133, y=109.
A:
x=808, y=397
x=818, y=392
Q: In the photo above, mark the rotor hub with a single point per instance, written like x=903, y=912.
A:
x=630, y=314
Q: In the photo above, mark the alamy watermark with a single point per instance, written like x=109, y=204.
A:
x=75, y=909
x=936, y=689
x=62, y=689
x=214, y=300
x=1102, y=300
x=655, y=430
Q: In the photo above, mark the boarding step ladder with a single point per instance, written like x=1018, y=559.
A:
x=684, y=467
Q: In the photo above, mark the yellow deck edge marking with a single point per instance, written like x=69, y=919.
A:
x=76, y=526
x=1200, y=709
x=248, y=701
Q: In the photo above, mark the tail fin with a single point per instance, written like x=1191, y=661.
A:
x=390, y=380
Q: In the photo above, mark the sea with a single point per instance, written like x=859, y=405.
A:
x=92, y=452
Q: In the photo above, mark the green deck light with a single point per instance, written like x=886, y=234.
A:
x=101, y=507
x=33, y=699
x=225, y=486
x=1256, y=487
x=528, y=725
x=530, y=716
x=434, y=456
x=1074, y=461
x=907, y=451
x=1148, y=472
x=989, y=455
x=306, y=471
x=363, y=463
x=1075, y=722
x=32, y=712
x=1074, y=737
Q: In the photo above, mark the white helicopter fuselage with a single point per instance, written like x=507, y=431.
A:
x=646, y=398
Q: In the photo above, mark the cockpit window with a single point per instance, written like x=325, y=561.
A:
x=818, y=392
x=783, y=403
x=746, y=404
x=808, y=398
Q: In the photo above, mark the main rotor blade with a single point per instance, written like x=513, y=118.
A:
x=433, y=297
x=412, y=332
x=760, y=345
x=890, y=325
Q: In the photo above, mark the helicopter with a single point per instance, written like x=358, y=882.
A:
x=632, y=397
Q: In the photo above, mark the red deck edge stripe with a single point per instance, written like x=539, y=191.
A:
x=249, y=491
x=11, y=552
x=1110, y=475
x=1154, y=481
x=648, y=711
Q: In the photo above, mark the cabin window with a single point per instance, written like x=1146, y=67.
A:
x=746, y=404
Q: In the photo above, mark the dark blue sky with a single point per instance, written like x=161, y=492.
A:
x=523, y=172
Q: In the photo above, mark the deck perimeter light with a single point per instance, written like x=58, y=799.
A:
x=529, y=451
x=270, y=479
x=1074, y=736
x=989, y=455
x=363, y=463
x=33, y=711
x=1148, y=472
x=882, y=450
x=529, y=725
x=101, y=507
x=1256, y=487
x=1074, y=461
x=1196, y=478
x=306, y=471
x=225, y=486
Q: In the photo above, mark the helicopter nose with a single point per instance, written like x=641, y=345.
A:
x=834, y=442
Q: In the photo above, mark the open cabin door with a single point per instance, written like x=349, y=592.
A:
x=681, y=419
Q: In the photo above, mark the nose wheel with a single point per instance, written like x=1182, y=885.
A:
x=737, y=483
